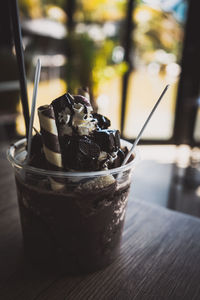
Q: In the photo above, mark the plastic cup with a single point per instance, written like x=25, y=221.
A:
x=71, y=221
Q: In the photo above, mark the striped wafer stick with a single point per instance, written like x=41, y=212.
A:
x=51, y=144
x=49, y=133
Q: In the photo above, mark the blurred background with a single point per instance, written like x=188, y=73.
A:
x=125, y=51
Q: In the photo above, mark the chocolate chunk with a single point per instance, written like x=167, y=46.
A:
x=88, y=148
x=117, y=139
x=118, y=161
x=59, y=106
x=102, y=121
x=121, y=155
x=108, y=140
x=80, y=153
x=60, y=103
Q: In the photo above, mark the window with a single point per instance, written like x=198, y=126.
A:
x=126, y=52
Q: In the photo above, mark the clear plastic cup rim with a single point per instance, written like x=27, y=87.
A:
x=20, y=165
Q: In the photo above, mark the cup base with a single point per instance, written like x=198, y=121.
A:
x=68, y=233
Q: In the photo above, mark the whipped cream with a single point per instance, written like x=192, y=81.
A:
x=82, y=120
x=110, y=158
x=102, y=156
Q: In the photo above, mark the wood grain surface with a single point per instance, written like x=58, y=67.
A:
x=160, y=257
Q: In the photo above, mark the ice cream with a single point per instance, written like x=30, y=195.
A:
x=72, y=218
x=74, y=138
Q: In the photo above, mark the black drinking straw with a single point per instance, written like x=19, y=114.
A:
x=20, y=60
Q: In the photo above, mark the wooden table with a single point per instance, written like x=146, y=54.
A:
x=160, y=257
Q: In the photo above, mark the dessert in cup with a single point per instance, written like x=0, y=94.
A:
x=73, y=191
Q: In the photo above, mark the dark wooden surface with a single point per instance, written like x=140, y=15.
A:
x=160, y=257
